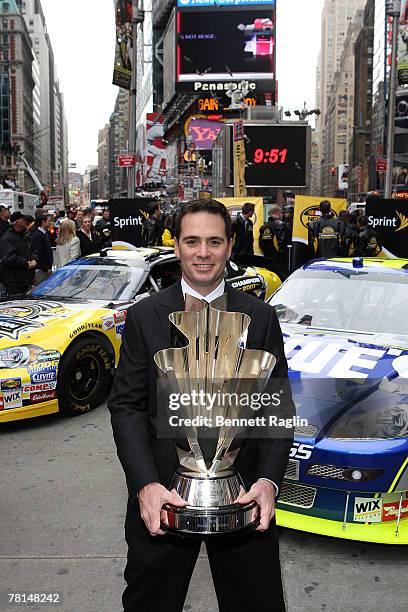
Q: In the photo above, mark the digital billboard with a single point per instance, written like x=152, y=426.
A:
x=223, y=43
x=276, y=155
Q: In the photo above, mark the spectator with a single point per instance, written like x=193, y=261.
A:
x=41, y=245
x=78, y=219
x=103, y=227
x=61, y=217
x=72, y=213
x=243, y=231
x=4, y=218
x=274, y=235
x=168, y=232
x=88, y=237
x=326, y=234
x=368, y=242
x=18, y=260
x=152, y=229
x=68, y=244
x=350, y=233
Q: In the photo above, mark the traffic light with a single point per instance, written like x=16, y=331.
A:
x=333, y=171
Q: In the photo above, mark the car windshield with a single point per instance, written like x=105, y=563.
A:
x=85, y=279
x=354, y=300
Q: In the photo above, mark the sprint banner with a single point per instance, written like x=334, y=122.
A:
x=127, y=218
x=389, y=218
x=307, y=210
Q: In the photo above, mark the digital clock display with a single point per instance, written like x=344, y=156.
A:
x=276, y=155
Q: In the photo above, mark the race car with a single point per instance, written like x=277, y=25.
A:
x=345, y=330
x=59, y=347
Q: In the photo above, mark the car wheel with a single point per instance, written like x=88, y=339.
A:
x=85, y=376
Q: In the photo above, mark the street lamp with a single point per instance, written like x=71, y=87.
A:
x=392, y=9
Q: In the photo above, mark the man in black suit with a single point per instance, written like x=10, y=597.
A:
x=243, y=231
x=41, y=245
x=245, y=567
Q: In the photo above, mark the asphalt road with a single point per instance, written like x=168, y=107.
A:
x=62, y=507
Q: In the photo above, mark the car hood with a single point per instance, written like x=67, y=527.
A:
x=45, y=322
x=333, y=372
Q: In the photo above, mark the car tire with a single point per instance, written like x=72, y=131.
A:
x=85, y=376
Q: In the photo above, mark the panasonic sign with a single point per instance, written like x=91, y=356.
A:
x=199, y=86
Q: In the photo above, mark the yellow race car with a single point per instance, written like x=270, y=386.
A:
x=59, y=347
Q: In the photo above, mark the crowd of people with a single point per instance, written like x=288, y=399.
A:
x=347, y=235
x=26, y=243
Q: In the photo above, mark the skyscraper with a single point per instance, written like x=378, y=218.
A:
x=337, y=15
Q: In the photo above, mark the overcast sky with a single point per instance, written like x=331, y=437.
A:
x=82, y=34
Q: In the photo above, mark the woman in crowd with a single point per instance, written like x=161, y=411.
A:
x=89, y=238
x=68, y=245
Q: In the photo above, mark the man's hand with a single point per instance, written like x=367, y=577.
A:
x=32, y=264
x=151, y=499
x=263, y=492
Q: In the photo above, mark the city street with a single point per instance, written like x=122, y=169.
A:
x=62, y=506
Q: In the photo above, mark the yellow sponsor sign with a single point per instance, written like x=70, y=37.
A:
x=307, y=210
x=239, y=161
x=234, y=206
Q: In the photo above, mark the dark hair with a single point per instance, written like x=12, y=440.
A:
x=344, y=216
x=152, y=207
x=248, y=207
x=362, y=220
x=88, y=212
x=325, y=207
x=205, y=205
x=40, y=216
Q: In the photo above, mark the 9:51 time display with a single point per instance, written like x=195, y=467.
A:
x=271, y=156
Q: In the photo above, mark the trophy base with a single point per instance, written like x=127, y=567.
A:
x=210, y=508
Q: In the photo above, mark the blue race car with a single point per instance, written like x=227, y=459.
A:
x=345, y=328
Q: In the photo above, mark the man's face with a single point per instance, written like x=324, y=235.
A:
x=203, y=250
x=5, y=214
x=86, y=223
x=106, y=215
x=79, y=215
x=20, y=225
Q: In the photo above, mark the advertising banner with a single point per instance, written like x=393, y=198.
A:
x=127, y=218
x=403, y=45
x=239, y=160
x=155, y=158
x=122, y=72
x=389, y=218
x=203, y=132
x=235, y=205
x=343, y=175
x=307, y=210
x=223, y=43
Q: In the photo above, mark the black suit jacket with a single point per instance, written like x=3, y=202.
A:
x=132, y=403
x=41, y=246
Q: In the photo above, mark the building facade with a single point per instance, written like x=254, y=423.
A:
x=339, y=117
x=103, y=162
x=17, y=84
x=337, y=16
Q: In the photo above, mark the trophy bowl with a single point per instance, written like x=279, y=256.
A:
x=208, y=356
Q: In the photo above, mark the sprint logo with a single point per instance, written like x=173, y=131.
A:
x=397, y=223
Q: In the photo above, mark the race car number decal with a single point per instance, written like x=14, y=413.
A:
x=300, y=451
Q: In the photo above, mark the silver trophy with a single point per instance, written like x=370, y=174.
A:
x=208, y=359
